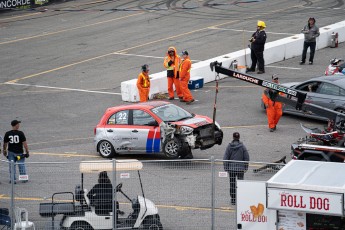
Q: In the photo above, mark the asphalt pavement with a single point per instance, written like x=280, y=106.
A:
x=62, y=66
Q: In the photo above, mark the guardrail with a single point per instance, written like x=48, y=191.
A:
x=274, y=52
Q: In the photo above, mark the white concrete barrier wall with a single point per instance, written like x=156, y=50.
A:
x=274, y=52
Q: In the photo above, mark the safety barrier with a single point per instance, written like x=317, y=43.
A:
x=274, y=52
x=189, y=194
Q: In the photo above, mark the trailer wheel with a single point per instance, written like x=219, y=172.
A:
x=81, y=226
x=151, y=224
x=106, y=149
x=340, y=110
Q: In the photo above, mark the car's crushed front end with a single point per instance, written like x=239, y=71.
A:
x=202, y=134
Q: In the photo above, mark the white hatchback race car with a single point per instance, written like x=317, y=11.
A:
x=154, y=127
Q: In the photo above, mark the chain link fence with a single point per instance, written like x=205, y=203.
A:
x=188, y=194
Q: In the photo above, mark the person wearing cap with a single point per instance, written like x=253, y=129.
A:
x=143, y=83
x=311, y=32
x=14, y=141
x=235, y=163
x=274, y=109
x=257, y=48
x=171, y=63
x=185, y=67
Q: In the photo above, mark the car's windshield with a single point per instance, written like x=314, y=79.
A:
x=171, y=112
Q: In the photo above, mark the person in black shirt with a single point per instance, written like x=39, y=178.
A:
x=14, y=141
x=101, y=195
x=257, y=48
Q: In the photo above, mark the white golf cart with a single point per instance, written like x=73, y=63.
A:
x=85, y=216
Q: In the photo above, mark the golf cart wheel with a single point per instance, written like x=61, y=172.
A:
x=172, y=148
x=151, y=224
x=106, y=149
x=80, y=226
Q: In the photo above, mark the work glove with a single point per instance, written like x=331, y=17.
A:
x=27, y=155
x=170, y=63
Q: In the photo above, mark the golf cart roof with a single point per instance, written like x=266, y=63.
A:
x=99, y=166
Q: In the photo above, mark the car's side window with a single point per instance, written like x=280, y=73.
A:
x=119, y=118
x=309, y=87
x=329, y=89
x=142, y=118
x=342, y=92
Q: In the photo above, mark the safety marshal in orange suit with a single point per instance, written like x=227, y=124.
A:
x=274, y=109
x=171, y=63
x=185, y=67
x=143, y=83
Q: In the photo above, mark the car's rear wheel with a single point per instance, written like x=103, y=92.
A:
x=106, y=149
x=171, y=148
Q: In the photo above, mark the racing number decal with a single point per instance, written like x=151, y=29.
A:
x=122, y=116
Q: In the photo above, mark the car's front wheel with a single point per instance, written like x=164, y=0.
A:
x=172, y=148
x=106, y=149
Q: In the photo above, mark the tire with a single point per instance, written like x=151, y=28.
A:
x=340, y=110
x=106, y=149
x=172, y=148
x=80, y=226
x=187, y=154
x=151, y=224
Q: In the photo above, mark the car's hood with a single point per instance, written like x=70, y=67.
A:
x=195, y=122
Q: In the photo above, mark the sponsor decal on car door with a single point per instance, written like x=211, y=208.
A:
x=145, y=132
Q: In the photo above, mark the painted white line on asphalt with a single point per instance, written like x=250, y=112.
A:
x=250, y=31
x=146, y=56
x=281, y=67
x=61, y=88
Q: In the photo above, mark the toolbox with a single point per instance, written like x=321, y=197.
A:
x=196, y=83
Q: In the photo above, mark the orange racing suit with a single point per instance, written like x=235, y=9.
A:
x=185, y=67
x=171, y=63
x=143, y=84
x=274, y=109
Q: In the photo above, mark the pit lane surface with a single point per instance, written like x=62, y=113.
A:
x=62, y=67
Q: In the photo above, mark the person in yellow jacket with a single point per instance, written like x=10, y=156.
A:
x=143, y=83
x=274, y=109
x=185, y=67
x=171, y=63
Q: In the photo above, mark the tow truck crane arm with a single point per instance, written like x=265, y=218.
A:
x=293, y=97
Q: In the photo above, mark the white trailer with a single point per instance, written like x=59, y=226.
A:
x=303, y=195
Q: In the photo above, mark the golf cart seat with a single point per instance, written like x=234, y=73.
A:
x=87, y=200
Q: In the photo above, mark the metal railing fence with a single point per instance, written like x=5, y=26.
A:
x=189, y=194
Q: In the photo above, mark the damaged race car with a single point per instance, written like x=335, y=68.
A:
x=154, y=127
